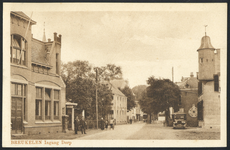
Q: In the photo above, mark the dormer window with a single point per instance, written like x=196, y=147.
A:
x=18, y=50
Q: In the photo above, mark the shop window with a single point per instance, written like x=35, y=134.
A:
x=18, y=50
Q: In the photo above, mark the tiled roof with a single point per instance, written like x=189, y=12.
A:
x=21, y=14
x=38, y=53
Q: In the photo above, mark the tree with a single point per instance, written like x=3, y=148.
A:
x=109, y=72
x=130, y=97
x=137, y=90
x=80, y=87
x=159, y=96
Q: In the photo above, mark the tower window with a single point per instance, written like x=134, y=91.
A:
x=201, y=60
x=206, y=60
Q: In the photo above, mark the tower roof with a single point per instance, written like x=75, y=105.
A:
x=206, y=43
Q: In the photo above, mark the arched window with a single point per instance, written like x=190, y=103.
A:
x=18, y=50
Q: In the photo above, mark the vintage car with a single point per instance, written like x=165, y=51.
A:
x=179, y=120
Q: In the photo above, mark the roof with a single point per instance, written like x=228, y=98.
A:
x=114, y=89
x=188, y=83
x=206, y=43
x=22, y=15
x=119, y=83
x=38, y=52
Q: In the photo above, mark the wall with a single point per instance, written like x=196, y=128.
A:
x=211, y=103
x=189, y=97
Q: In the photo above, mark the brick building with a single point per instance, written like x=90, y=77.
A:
x=37, y=90
x=208, y=86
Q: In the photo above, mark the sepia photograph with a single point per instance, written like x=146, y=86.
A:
x=114, y=74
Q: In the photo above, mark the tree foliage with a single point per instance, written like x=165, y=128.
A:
x=137, y=90
x=160, y=95
x=130, y=97
x=80, y=79
x=109, y=72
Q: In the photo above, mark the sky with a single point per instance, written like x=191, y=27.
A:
x=145, y=41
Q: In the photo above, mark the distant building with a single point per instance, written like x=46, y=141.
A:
x=189, y=98
x=37, y=89
x=119, y=107
x=209, y=84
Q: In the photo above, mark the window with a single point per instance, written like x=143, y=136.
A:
x=47, y=94
x=18, y=94
x=38, y=92
x=38, y=110
x=56, y=94
x=201, y=60
x=216, y=83
x=47, y=104
x=56, y=110
x=206, y=60
x=56, y=104
x=47, y=110
x=38, y=105
x=18, y=50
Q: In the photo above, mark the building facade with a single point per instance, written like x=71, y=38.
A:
x=37, y=90
x=119, y=106
x=189, y=98
x=209, y=84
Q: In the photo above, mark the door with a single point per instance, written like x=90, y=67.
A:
x=16, y=115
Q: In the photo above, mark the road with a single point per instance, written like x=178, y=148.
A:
x=143, y=131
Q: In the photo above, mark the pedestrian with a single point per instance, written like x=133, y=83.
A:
x=83, y=125
x=102, y=124
x=106, y=124
x=111, y=124
x=76, y=123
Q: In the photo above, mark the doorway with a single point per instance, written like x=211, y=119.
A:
x=16, y=115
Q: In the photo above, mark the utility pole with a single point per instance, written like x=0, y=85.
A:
x=96, y=99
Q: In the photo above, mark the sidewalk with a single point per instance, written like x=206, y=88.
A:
x=61, y=136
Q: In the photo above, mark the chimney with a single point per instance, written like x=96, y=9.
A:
x=191, y=74
x=60, y=38
x=55, y=36
x=49, y=40
x=197, y=73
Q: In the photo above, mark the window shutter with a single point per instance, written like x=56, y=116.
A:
x=199, y=88
x=216, y=83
